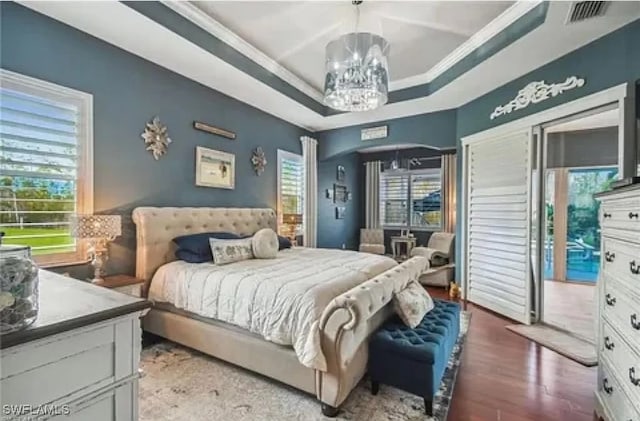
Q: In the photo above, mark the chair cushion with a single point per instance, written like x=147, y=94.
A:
x=372, y=248
x=435, y=336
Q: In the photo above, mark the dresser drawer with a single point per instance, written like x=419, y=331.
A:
x=621, y=214
x=613, y=397
x=622, y=261
x=622, y=310
x=69, y=365
x=624, y=360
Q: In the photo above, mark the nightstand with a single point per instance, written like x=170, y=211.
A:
x=126, y=284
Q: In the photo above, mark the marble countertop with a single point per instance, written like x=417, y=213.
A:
x=67, y=303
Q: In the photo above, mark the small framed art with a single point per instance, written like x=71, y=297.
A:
x=215, y=168
x=340, y=211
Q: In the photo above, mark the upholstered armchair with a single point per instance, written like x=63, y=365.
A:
x=372, y=241
x=439, y=251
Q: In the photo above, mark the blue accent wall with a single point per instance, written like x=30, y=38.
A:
x=434, y=129
x=606, y=62
x=127, y=92
x=332, y=232
x=339, y=146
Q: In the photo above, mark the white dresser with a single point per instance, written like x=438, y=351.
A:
x=618, y=391
x=78, y=361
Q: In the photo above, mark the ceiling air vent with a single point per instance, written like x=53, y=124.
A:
x=582, y=10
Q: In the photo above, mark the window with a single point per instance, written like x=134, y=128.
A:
x=290, y=192
x=411, y=199
x=45, y=165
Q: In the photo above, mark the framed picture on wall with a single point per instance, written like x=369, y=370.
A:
x=215, y=168
x=340, y=173
x=339, y=193
x=340, y=211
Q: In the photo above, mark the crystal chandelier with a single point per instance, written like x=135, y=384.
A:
x=357, y=70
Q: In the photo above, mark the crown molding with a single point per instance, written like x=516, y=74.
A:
x=191, y=12
x=493, y=28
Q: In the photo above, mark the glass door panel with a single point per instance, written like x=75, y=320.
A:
x=583, y=227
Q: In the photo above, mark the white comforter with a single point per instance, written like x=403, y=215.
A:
x=280, y=299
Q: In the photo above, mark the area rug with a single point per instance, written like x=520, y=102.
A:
x=180, y=384
x=559, y=341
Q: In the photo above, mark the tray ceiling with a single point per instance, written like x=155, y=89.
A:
x=295, y=34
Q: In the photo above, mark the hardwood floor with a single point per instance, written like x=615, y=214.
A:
x=504, y=377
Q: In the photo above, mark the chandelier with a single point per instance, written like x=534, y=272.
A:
x=357, y=70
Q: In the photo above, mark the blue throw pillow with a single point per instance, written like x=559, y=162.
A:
x=195, y=248
x=283, y=243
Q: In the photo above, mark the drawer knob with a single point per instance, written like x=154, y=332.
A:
x=606, y=215
x=609, y=257
x=611, y=301
x=632, y=377
x=634, y=267
x=634, y=322
x=633, y=215
x=605, y=386
x=609, y=344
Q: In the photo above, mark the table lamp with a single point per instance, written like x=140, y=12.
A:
x=99, y=230
x=292, y=220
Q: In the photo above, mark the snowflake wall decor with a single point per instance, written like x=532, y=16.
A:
x=156, y=137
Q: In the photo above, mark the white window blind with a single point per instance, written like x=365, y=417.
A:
x=41, y=161
x=411, y=199
x=394, y=195
x=290, y=184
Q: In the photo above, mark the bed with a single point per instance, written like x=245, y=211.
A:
x=325, y=354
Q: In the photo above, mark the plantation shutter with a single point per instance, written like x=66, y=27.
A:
x=394, y=194
x=291, y=178
x=39, y=170
x=498, y=228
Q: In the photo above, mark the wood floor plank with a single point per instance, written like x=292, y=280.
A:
x=505, y=377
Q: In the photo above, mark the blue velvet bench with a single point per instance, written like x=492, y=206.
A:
x=415, y=360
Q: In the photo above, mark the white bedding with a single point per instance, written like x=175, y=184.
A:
x=280, y=299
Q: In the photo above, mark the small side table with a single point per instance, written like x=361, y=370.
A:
x=126, y=284
x=409, y=242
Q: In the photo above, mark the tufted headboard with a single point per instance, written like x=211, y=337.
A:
x=156, y=227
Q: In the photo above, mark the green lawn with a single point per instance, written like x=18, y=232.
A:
x=51, y=237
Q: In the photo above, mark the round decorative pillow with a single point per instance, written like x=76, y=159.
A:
x=265, y=244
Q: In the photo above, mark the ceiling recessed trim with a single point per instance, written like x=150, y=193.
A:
x=191, y=12
x=205, y=21
x=493, y=28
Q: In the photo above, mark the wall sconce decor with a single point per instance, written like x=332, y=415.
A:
x=156, y=137
x=258, y=160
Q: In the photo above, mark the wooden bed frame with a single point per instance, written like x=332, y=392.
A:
x=345, y=325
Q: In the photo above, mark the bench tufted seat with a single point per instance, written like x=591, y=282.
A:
x=415, y=360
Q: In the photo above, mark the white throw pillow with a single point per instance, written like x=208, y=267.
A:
x=265, y=244
x=412, y=304
x=229, y=251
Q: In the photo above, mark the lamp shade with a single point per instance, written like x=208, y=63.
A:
x=96, y=226
x=292, y=218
